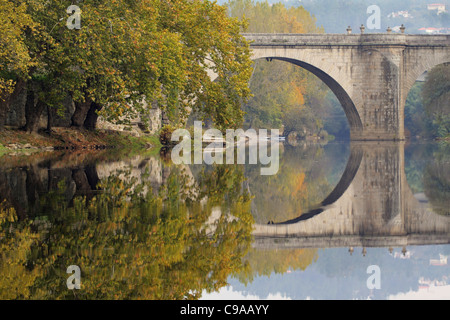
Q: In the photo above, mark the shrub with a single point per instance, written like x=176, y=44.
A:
x=165, y=135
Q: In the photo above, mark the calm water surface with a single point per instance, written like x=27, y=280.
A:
x=139, y=226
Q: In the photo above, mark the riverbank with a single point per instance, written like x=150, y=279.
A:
x=14, y=141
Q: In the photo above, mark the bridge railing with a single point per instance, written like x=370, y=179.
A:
x=276, y=39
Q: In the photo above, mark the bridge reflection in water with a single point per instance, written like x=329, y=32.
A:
x=371, y=206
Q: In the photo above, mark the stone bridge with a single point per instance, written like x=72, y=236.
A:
x=371, y=206
x=370, y=74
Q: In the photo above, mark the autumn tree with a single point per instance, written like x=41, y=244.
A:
x=15, y=58
x=128, y=55
x=16, y=240
x=211, y=42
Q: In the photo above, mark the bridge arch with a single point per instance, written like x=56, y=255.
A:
x=328, y=72
x=341, y=94
x=414, y=71
x=370, y=73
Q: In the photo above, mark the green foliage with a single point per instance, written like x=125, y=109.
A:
x=165, y=135
x=303, y=121
x=436, y=181
x=15, y=59
x=417, y=121
x=268, y=262
x=427, y=112
x=335, y=120
x=436, y=98
x=426, y=169
x=128, y=54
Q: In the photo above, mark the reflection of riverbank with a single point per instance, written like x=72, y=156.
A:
x=25, y=180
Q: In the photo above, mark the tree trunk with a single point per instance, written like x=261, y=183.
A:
x=34, y=188
x=33, y=111
x=92, y=176
x=91, y=117
x=81, y=111
x=6, y=101
x=83, y=188
x=4, y=107
x=13, y=195
x=50, y=118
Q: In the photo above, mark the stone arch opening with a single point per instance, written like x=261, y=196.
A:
x=355, y=124
x=348, y=105
x=353, y=117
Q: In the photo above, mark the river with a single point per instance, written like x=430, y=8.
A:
x=339, y=220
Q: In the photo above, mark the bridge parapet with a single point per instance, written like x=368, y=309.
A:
x=371, y=39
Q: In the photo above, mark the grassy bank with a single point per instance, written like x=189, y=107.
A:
x=3, y=150
x=16, y=141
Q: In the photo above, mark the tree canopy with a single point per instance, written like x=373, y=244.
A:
x=125, y=56
x=436, y=97
x=427, y=112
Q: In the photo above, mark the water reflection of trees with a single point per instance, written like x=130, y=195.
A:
x=307, y=174
x=436, y=181
x=143, y=228
x=266, y=262
x=128, y=243
x=427, y=169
